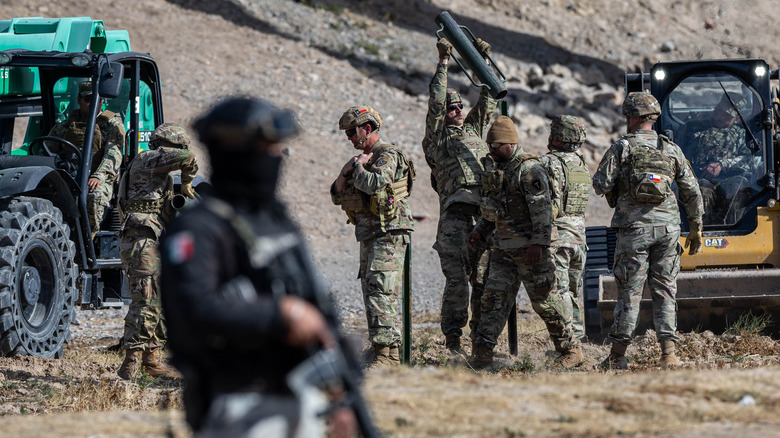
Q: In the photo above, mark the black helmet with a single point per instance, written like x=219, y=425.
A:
x=243, y=119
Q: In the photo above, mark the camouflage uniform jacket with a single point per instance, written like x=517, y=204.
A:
x=454, y=153
x=148, y=179
x=386, y=167
x=107, y=156
x=726, y=146
x=569, y=218
x=613, y=174
x=516, y=202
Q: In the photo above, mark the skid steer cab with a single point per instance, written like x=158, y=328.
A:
x=50, y=258
x=723, y=114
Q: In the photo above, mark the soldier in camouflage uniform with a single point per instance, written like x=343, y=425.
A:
x=145, y=192
x=372, y=188
x=722, y=161
x=636, y=175
x=454, y=150
x=516, y=204
x=569, y=190
x=107, y=144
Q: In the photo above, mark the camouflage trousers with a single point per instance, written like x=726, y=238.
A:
x=144, y=325
x=508, y=270
x=97, y=201
x=461, y=267
x=381, y=277
x=651, y=255
x=569, y=262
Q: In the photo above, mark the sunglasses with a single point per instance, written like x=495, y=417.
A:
x=495, y=145
x=455, y=106
x=350, y=132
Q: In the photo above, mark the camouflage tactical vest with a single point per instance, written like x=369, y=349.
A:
x=75, y=131
x=577, y=188
x=382, y=204
x=461, y=165
x=651, y=171
x=500, y=200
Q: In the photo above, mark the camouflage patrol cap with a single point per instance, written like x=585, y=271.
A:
x=85, y=88
x=641, y=104
x=359, y=115
x=568, y=129
x=453, y=96
x=173, y=134
x=726, y=106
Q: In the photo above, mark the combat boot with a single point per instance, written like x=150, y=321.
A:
x=481, y=356
x=569, y=358
x=616, y=359
x=130, y=365
x=384, y=355
x=452, y=342
x=154, y=367
x=668, y=356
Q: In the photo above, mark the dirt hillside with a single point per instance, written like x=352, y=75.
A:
x=320, y=57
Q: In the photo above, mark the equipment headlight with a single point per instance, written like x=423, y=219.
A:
x=760, y=71
x=660, y=75
x=80, y=60
x=4, y=58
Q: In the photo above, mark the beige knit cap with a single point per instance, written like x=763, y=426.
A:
x=503, y=131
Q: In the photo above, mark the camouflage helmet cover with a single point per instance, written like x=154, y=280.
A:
x=359, y=115
x=171, y=133
x=641, y=104
x=569, y=130
x=453, y=96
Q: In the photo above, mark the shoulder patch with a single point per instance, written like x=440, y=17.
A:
x=180, y=248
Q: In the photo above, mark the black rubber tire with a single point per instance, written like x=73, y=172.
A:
x=38, y=278
x=600, y=259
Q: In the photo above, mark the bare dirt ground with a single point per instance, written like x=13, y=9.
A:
x=320, y=57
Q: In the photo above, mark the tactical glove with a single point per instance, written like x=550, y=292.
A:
x=694, y=239
x=482, y=46
x=188, y=191
x=444, y=47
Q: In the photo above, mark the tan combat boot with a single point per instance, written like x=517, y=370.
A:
x=668, y=356
x=616, y=359
x=130, y=365
x=481, y=356
x=154, y=367
x=384, y=355
x=569, y=358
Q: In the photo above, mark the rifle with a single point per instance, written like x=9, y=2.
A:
x=290, y=262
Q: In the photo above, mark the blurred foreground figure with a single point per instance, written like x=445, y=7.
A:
x=238, y=291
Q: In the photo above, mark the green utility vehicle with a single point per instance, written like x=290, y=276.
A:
x=49, y=262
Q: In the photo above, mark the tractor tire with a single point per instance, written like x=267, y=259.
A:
x=599, y=260
x=38, y=278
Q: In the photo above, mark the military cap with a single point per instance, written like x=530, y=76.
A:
x=726, y=106
x=237, y=120
x=85, y=88
x=453, y=96
x=641, y=104
x=503, y=131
